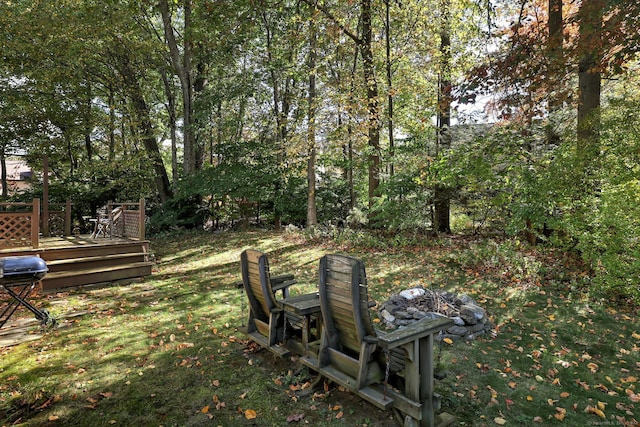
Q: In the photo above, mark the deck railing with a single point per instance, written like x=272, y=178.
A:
x=59, y=220
x=130, y=223
x=19, y=224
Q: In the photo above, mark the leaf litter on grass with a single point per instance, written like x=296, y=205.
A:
x=557, y=356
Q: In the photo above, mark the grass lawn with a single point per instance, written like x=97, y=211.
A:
x=166, y=351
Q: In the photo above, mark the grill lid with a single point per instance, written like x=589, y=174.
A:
x=15, y=267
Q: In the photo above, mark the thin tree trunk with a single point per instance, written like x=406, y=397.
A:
x=442, y=194
x=181, y=62
x=589, y=81
x=173, y=127
x=373, y=107
x=312, y=214
x=389, y=88
x=364, y=44
x=143, y=123
x=555, y=58
x=86, y=113
x=112, y=124
x=3, y=176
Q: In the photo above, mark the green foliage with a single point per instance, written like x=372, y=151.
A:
x=521, y=184
x=405, y=204
x=178, y=213
x=608, y=224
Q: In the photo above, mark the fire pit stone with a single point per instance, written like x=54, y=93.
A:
x=404, y=308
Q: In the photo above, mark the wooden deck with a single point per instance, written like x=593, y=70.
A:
x=82, y=260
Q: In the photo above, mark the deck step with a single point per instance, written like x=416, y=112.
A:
x=96, y=261
x=88, y=276
x=102, y=249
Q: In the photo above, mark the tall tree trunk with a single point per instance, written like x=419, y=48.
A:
x=143, y=123
x=555, y=58
x=173, y=127
x=112, y=124
x=589, y=81
x=442, y=194
x=364, y=44
x=389, y=87
x=3, y=173
x=181, y=62
x=312, y=214
x=86, y=118
x=282, y=88
x=369, y=74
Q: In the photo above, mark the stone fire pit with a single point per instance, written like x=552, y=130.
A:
x=413, y=304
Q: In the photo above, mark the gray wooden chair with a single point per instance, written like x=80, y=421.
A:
x=267, y=321
x=391, y=370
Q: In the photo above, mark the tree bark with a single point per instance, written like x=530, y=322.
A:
x=589, y=81
x=3, y=173
x=182, y=65
x=312, y=214
x=171, y=111
x=143, y=123
x=364, y=44
x=555, y=67
x=368, y=68
x=442, y=194
x=389, y=87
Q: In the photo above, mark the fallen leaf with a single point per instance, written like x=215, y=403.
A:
x=500, y=421
x=53, y=418
x=598, y=412
x=295, y=418
x=565, y=394
x=560, y=414
x=205, y=409
x=448, y=341
x=216, y=383
x=339, y=415
x=250, y=414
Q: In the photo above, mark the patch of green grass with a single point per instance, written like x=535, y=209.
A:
x=167, y=350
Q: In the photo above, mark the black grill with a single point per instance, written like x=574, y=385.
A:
x=18, y=277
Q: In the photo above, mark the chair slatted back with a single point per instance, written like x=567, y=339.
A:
x=344, y=301
x=256, y=281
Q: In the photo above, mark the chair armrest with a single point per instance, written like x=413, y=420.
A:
x=415, y=331
x=369, y=339
x=277, y=281
x=282, y=283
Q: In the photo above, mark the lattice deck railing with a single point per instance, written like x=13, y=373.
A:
x=19, y=224
x=131, y=222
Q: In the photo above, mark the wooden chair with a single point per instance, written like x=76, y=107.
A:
x=107, y=222
x=368, y=362
x=267, y=321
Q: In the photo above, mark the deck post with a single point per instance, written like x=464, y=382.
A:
x=45, y=197
x=141, y=211
x=67, y=218
x=35, y=223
